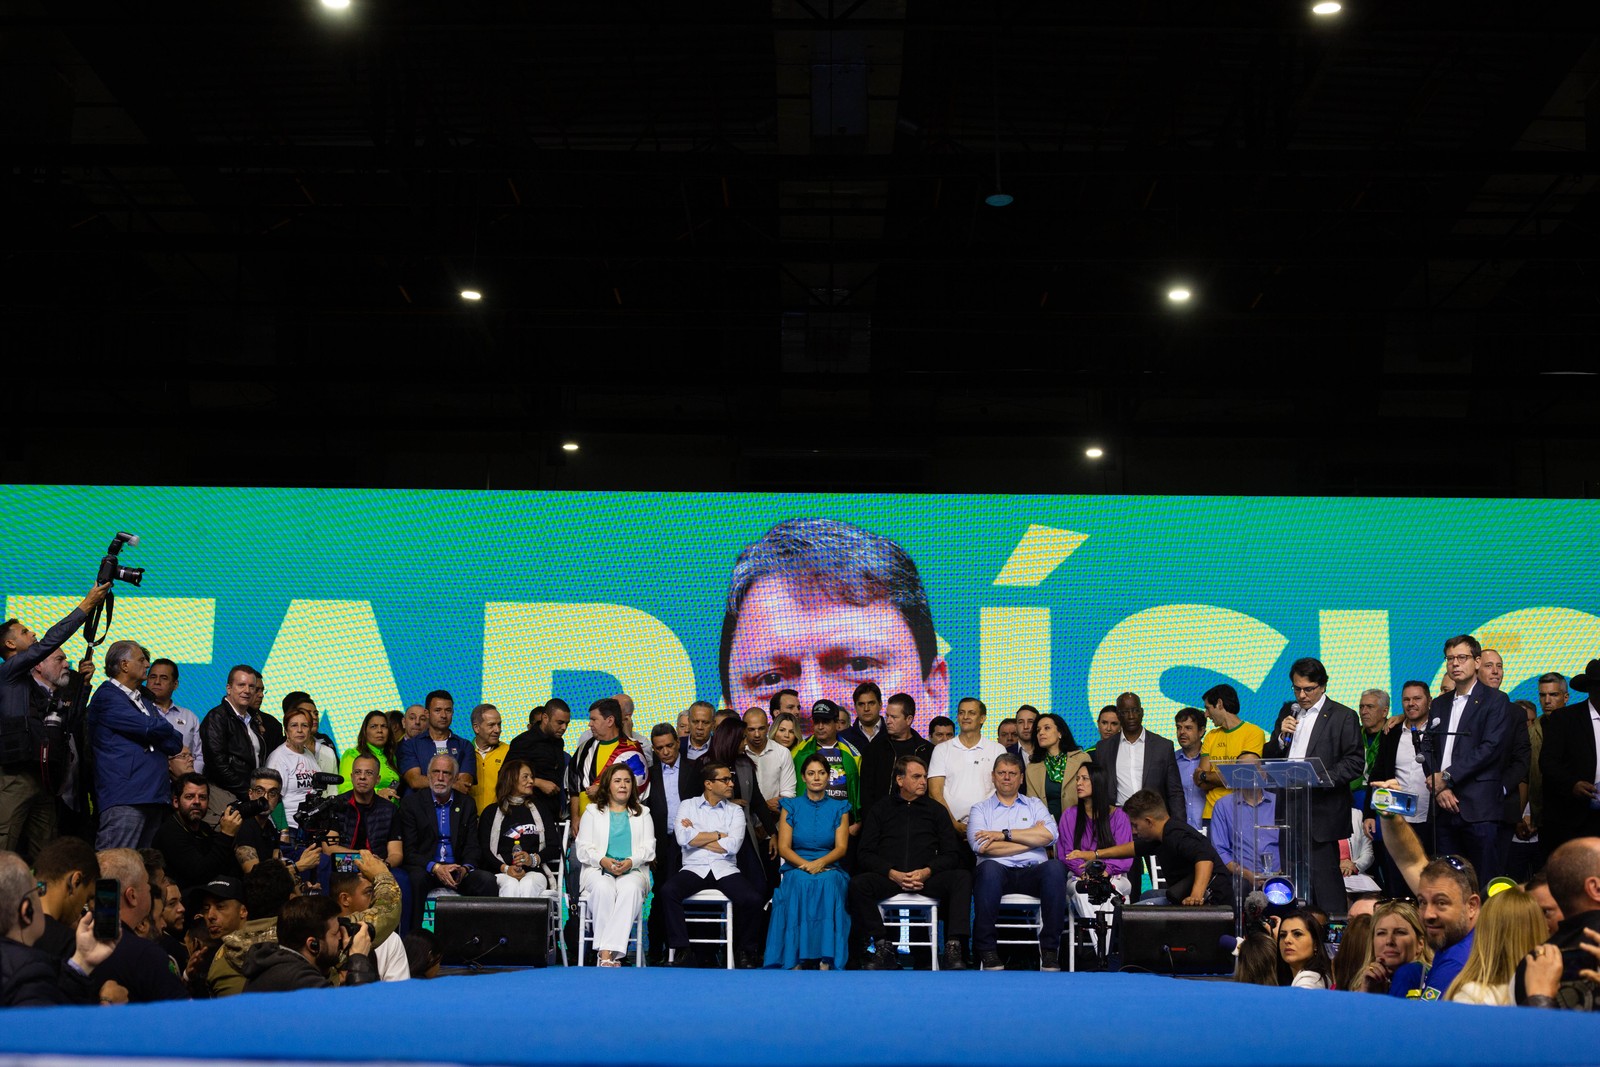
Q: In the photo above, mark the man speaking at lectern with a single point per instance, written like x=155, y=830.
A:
x=1313, y=727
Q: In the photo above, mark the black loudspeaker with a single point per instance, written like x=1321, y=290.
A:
x=1177, y=939
x=493, y=931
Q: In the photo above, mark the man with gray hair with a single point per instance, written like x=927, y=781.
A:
x=439, y=839
x=1373, y=711
x=130, y=740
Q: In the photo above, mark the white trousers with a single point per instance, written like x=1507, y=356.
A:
x=613, y=905
x=529, y=885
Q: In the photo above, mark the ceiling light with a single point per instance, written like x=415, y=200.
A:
x=569, y=446
x=1326, y=7
x=1178, y=295
x=336, y=5
x=471, y=294
x=997, y=199
x=1094, y=452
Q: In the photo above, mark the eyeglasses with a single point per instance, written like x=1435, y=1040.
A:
x=1305, y=688
x=257, y=791
x=1459, y=659
x=726, y=778
x=1457, y=863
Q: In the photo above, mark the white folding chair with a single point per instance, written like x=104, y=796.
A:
x=586, y=933
x=710, y=908
x=916, y=918
x=1020, y=920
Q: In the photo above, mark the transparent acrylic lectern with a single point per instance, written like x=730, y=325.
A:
x=1291, y=782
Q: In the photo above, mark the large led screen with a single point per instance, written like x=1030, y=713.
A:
x=369, y=599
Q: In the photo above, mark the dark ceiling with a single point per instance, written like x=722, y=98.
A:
x=745, y=245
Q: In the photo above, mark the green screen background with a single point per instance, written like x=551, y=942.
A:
x=368, y=599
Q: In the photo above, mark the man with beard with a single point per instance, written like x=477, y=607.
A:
x=1448, y=902
x=195, y=852
x=310, y=942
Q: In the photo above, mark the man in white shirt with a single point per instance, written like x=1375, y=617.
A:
x=1009, y=833
x=161, y=683
x=709, y=830
x=774, y=767
x=962, y=772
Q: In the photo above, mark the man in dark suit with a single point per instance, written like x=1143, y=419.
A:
x=1569, y=761
x=1147, y=760
x=1313, y=727
x=674, y=778
x=433, y=858
x=1471, y=744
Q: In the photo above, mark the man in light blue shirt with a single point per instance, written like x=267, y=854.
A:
x=1009, y=833
x=709, y=829
x=1251, y=854
x=1191, y=730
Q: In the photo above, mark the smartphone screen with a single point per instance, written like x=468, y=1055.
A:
x=107, y=909
x=346, y=862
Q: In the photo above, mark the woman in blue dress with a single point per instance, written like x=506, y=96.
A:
x=809, y=923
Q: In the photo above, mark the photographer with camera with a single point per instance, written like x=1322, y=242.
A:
x=258, y=837
x=130, y=740
x=27, y=807
x=308, y=950
x=370, y=895
x=195, y=852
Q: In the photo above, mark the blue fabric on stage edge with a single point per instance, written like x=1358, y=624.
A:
x=1296, y=1027
x=809, y=921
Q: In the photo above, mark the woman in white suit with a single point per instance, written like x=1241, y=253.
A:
x=616, y=843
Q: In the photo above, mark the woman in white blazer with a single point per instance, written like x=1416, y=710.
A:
x=616, y=843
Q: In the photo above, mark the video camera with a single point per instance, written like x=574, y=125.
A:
x=1095, y=883
x=319, y=815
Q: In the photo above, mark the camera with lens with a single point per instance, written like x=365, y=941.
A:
x=111, y=568
x=1095, y=883
x=249, y=809
x=319, y=816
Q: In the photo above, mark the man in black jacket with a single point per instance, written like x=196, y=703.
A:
x=235, y=740
x=195, y=852
x=674, y=778
x=1569, y=761
x=29, y=976
x=306, y=953
x=909, y=845
x=896, y=739
x=432, y=860
x=540, y=748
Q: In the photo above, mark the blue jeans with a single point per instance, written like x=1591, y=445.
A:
x=129, y=826
x=1047, y=881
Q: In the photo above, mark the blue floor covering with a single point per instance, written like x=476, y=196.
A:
x=705, y=1018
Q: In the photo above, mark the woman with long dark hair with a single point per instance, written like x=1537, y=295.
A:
x=375, y=739
x=1302, y=952
x=1086, y=827
x=809, y=922
x=760, y=841
x=512, y=831
x=1054, y=763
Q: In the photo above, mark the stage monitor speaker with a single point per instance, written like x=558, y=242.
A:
x=1177, y=939
x=493, y=931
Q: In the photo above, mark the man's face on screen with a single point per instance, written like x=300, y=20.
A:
x=791, y=636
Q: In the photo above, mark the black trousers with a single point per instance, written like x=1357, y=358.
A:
x=1327, y=883
x=747, y=905
x=953, y=890
x=476, y=884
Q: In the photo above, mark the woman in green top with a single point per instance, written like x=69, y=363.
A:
x=1056, y=758
x=375, y=740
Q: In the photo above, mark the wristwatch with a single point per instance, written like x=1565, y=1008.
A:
x=1008, y=835
x=1449, y=782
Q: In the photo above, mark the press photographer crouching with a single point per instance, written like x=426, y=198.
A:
x=258, y=837
x=311, y=942
x=31, y=977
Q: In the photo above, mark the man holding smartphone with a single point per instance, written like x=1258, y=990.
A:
x=29, y=976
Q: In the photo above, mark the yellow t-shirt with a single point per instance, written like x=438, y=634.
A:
x=1220, y=745
x=489, y=764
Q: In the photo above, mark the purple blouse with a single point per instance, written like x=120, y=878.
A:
x=1121, y=834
